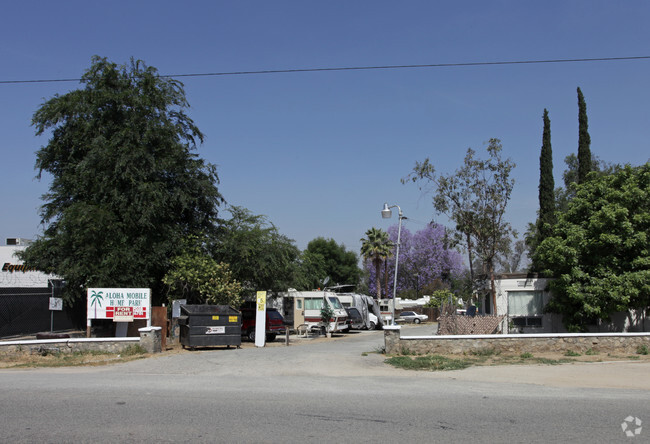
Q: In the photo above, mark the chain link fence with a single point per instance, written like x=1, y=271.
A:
x=25, y=311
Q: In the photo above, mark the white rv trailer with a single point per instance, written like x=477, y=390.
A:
x=307, y=307
x=367, y=305
x=386, y=309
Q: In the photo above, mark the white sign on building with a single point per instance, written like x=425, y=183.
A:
x=13, y=273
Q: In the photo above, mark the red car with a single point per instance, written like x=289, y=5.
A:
x=274, y=324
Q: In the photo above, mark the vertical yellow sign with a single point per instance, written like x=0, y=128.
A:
x=260, y=319
x=261, y=301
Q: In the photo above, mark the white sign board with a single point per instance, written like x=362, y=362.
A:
x=119, y=304
x=56, y=304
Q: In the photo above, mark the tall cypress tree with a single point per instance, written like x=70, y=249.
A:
x=546, y=183
x=546, y=216
x=584, y=141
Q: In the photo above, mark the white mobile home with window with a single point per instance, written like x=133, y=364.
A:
x=307, y=308
x=522, y=298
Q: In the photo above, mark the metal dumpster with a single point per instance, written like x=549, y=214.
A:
x=209, y=325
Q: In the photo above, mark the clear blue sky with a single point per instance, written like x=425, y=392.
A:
x=319, y=153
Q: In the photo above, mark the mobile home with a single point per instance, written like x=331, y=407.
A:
x=367, y=306
x=386, y=310
x=304, y=308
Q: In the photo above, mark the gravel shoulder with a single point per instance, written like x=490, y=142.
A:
x=358, y=354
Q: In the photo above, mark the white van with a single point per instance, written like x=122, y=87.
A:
x=307, y=306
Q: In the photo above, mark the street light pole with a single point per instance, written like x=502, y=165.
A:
x=386, y=213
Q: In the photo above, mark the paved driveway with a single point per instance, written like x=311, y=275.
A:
x=334, y=390
x=358, y=354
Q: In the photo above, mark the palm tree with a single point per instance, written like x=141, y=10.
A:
x=376, y=247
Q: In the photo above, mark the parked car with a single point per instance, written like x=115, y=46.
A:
x=274, y=323
x=411, y=316
x=355, y=321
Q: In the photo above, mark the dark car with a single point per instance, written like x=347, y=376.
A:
x=355, y=321
x=274, y=323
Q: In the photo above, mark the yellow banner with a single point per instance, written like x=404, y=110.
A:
x=261, y=301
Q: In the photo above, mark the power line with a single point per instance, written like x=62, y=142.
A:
x=362, y=68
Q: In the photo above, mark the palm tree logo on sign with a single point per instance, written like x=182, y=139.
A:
x=96, y=299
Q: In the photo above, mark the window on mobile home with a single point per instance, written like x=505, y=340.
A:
x=525, y=303
x=526, y=308
x=313, y=304
x=336, y=304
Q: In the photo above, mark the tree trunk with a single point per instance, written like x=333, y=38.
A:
x=386, y=276
x=471, y=259
x=378, y=278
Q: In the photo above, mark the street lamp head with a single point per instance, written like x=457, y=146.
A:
x=386, y=212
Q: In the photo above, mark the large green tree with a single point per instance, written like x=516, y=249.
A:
x=584, y=140
x=311, y=271
x=475, y=197
x=599, y=251
x=376, y=247
x=259, y=256
x=340, y=264
x=126, y=187
x=195, y=276
x=570, y=177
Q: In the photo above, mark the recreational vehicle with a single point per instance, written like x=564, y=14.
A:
x=386, y=309
x=366, y=305
x=307, y=307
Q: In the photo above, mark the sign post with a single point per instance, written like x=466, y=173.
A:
x=260, y=320
x=56, y=304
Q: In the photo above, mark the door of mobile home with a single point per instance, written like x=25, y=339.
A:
x=298, y=311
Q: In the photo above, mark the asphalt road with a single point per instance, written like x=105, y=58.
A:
x=317, y=391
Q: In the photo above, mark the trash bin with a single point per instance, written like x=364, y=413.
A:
x=209, y=325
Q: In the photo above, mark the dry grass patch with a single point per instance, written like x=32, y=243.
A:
x=491, y=357
x=53, y=358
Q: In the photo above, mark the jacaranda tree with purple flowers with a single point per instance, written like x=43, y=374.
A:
x=424, y=258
